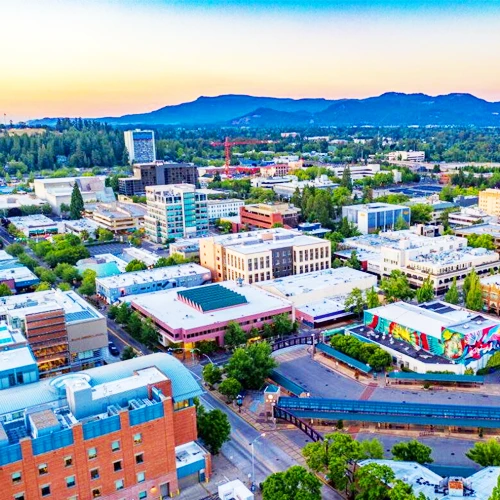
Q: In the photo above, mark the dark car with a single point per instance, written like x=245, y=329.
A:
x=113, y=349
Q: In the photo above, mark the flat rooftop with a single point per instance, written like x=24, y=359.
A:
x=148, y=275
x=493, y=229
x=491, y=280
x=16, y=358
x=6, y=257
x=375, y=207
x=18, y=200
x=467, y=254
x=81, y=224
x=166, y=306
x=149, y=258
x=18, y=273
x=212, y=297
x=75, y=308
x=30, y=221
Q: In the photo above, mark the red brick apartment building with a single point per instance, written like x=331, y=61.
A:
x=264, y=216
x=118, y=432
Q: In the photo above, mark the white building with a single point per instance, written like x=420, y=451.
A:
x=9, y=202
x=287, y=190
x=58, y=191
x=406, y=156
x=35, y=225
x=357, y=171
x=373, y=217
x=175, y=211
x=469, y=216
x=223, y=208
x=140, y=145
x=149, y=258
x=79, y=226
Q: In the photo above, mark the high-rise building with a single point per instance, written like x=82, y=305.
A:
x=140, y=145
x=175, y=211
x=122, y=431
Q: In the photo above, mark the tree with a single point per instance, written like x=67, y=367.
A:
x=148, y=334
x=67, y=272
x=46, y=274
x=396, y=287
x=282, y=325
x=230, y=388
x=128, y=353
x=88, y=282
x=400, y=224
x=485, y=453
x=76, y=206
x=296, y=483
x=355, y=302
x=353, y=261
x=495, y=494
x=64, y=208
x=5, y=291
x=135, y=265
x=134, y=325
x=213, y=428
x=43, y=287
x=64, y=287
x=372, y=481
x=212, y=374
x=403, y=491
x=452, y=296
x=412, y=451
x=104, y=234
x=15, y=249
x=122, y=313
x=251, y=365
x=235, y=335
x=346, y=180
x=481, y=241
x=372, y=448
x=473, y=292
x=426, y=292
x=372, y=299
x=421, y=213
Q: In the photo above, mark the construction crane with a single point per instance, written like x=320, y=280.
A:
x=229, y=143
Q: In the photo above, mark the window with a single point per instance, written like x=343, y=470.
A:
x=141, y=477
x=115, y=445
x=68, y=461
x=92, y=453
x=119, y=484
x=43, y=469
x=96, y=492
x=94, y=474
x=16, y=477
x=117, y=466
x=138, y=438
x=45, y=490
x=19, y=496
x=139, y=459
x=70, y=481
x=142, y=494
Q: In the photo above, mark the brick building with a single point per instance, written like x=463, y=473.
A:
x=117, y=432
x=264, y=216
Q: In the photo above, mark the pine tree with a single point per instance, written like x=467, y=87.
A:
x=474, y=299
x=346, y=180
x=76, y=206
x=452, y=296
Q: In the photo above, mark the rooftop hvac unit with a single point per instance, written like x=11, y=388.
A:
x=112, y=410
x=135, y=404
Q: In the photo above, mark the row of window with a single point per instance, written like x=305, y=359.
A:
x=45, y=491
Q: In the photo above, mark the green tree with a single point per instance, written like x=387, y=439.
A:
x=421, y=213
x=400, y=224
x=373, y=480
x=213, y=428
x=452, y=296
x=88, y=282
x=481, y=241
x=43, y=287
x=15, y=249
x=76, y=206
x=135, y=265
x=396, y=287
x=212, y=374
x=104, y=234
x=372, y=448
x=346, y=180
x=5, y=291
x=122, y=313
x=372, y=299
x=149, y=334
x=230, y=388
x=473, y=292
x=296, y=483
x=485, y=453
x=412, y=451
x=134, y=324
x=282, y=325
x=67, y=272
x=64, y=208
x=426, y=292
x=46, y=274
x=128, y=353
x=495, y=494
x=64, y=287
x=355, y=302
x=251, y=365
x=235, y=335
x=494, y=361
x=353, y=261
x=403, y=491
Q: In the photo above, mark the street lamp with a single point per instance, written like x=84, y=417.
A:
x=253, y=458
x=202, y=354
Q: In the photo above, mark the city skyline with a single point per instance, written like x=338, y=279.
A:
x=131, y=56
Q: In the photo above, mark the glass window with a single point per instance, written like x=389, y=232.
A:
x=141, y=477
x=115, y=445
x=142, y=495
x=19, y=496
x=139, y=459
x=117, y=466
x=16, y=477
x=119, y=484
x=96, y=492
x=70, y=481
x=43, y=469
x=68, y=461
x=138, y=438
x=92, y=453
x=94, y=474
x=45, y=490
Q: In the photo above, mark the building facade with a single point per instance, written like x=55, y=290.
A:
x=223, y=208
x=265, y=216
x=34, y=225
x=140, y=145
x=175, y=211
x=120, y=432
x=374, y=217
x=489, y=201
x=119, y=217
x=263, y=255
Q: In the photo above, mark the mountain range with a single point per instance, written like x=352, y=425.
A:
x=389, y=109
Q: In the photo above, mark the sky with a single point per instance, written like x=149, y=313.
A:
x=96, y=58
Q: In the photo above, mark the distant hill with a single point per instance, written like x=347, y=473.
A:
x=389, y=109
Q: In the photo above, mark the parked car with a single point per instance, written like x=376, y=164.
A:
x=113, y=349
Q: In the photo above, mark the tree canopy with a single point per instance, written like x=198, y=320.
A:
x=485, y=453
x=412, y=451
x=296, y=483
x=396, y=287
x=76, y=205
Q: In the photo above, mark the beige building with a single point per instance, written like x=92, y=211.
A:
x=119, y=217
x=489, y=201
x=263, y=255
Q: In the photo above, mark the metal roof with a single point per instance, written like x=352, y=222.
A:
x=212, y=297
x=437, y=377
x=354, y=363
x=286, y=383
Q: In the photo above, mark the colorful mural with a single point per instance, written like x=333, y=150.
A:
x=472, y=345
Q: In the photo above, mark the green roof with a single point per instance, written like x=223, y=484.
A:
x=437, y=377
x=212, y=297
x=286, y=383
x=343, y=358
